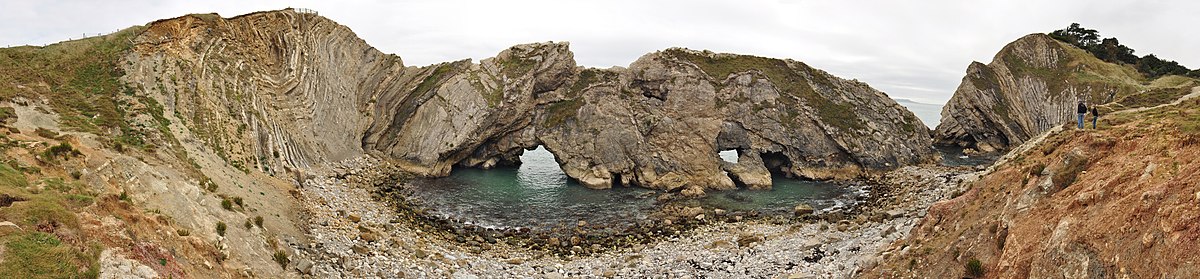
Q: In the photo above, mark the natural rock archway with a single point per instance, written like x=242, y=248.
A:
x=306, y=90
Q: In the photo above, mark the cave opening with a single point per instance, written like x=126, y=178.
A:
x=729, y=155
x=777, y=163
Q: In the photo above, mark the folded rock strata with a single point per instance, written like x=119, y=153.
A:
x=283, y=90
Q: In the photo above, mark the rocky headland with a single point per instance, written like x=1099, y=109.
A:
x=278, y=144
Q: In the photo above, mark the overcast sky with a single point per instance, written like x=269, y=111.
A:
x=917, y=50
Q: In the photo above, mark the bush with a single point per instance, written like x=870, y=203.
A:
x=258, y=221
x=45, y=133
x=281, y=258
x=238, y=201
x=248, y=224
x=1037, y=169
x=226, y=204
x=61, y=150
x=221, y=228
x=974, y=268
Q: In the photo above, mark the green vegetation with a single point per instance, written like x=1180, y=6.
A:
x=226, y=204
x=7, y=113
x=1153, y=96
x=37, y=252
x=281, y=258
x=80, y=80
x=258, y=221
x=588, y=77
x=561, y=111
x=1066, y=175
x=516, y=66
x=43, y=255
x=62, y=150
x=221, y=228
x=791, y=81
x=1111, y=50
x=974, y=268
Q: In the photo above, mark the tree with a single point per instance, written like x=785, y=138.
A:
x=1112, y=50
x=1154, y=67
x=1077, y=36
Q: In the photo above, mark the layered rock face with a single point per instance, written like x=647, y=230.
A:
x=286, y=90
x=1032, y=85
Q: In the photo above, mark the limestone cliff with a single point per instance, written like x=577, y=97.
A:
x=1032, y=85
x=286, y=90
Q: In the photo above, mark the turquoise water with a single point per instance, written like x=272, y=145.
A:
x=953, y=156
x=538, y=195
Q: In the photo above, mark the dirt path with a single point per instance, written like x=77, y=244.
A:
x=1194, y=94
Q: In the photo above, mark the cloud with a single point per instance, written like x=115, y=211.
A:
x=917, y=50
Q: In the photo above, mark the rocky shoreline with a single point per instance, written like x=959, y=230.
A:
x=357, y=233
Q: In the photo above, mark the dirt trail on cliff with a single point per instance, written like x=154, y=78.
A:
x=1120, y=201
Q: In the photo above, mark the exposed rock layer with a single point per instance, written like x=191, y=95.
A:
x=1119, y=202
x=1033, y=84
x=283, y=89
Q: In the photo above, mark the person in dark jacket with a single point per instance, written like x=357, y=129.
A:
x=1095, y=116
x=1081, y=110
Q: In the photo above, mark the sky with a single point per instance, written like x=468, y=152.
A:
x=916, y=50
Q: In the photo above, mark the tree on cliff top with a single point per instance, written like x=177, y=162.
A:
x=1111, y=50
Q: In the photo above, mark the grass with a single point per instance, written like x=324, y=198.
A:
x=80, y=79
x=974, y=268
x=516, y=66
x=281, y=258
x=7, y=113
x=796, y=82
x=220, y=228
x=43, y=255
x=561, y=111
x=36, y=254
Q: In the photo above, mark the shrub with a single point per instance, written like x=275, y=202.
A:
x=183, y=232
x=974, y=268
x=45, y=133
x=1037, y=169
x=76, y=174
x=248, y=224
x=226, y=204
x=238, y=201
x=1073, y=165
x=281, y=258
x=221, y=228
x=61, y=150
x=258, y=221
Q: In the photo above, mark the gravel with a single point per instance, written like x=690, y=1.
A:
x=757, y=248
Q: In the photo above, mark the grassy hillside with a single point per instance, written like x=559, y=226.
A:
x=1111, y=202
x=80, y=81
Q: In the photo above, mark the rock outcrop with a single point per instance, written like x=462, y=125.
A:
x=1032, y=85
x=1118, y=202
x=285, y=90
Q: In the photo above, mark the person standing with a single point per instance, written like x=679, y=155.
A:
x=1095, y=116
x=1081, y=110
